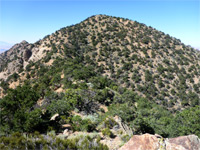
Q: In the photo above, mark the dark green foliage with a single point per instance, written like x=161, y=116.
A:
x=16, y=108
x=148, y=76
x=124, y=111
x=142, y=126
x=4, y=85
x=14, y=76
x=107, y=132
x=109, y=123
x=186, y=122
x=148, y=117
x=128, y=96
x=62, y=107
x=34, y=121
x=194, y=99
x=146, y=40
x=65, y=105
x=104, y=96
x=83, y=73
x=56, y=79
x=79, y=124
x=73, y=99
x=101, y=82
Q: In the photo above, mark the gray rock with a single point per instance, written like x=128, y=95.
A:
x=190, y=142
x=27, y=55
x=116, y=127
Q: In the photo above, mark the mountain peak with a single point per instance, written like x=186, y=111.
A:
x=108, y=74
x=133, y=54
x=24, y=42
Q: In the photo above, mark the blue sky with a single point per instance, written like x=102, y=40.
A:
x=31, y=20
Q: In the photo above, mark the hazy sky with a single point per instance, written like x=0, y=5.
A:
x=31, y=20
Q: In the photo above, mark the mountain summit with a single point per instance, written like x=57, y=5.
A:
x=138, y=57
x=108, y=78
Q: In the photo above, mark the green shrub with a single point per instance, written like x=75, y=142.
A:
x=15, y=108
x=107, y=132
x=19, y=142
x=79, y=124
x=125, y=138
x=110, y=123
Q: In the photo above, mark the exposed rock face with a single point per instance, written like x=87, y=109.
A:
x=155, y=142
x=190, y=142
x=14, y=66
x=142, y=142
x=19, y=56
x=12, y=60
x=27, y=55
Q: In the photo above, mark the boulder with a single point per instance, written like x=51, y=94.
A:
x=142, y=142
x=190, y=142
x=156, y=142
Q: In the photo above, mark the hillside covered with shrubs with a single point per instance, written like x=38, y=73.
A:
x=107, y=78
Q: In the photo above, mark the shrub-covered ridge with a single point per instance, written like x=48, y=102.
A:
x=91, y=73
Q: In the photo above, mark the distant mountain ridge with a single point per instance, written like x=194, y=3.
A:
x=3, y=50
x=5, y=46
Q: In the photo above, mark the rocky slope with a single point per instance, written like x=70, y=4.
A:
x=12, y=60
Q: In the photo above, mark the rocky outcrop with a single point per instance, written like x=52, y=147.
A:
x=12, y=60
x=156, y=142
x=142, y=142
x=190, y=142
x=27, y=55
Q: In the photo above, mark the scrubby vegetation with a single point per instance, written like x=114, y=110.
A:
x=20, y=111
x=108, y=67
x=20, y=141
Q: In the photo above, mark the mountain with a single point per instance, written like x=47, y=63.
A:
x=104, y=66
x=135, y=56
